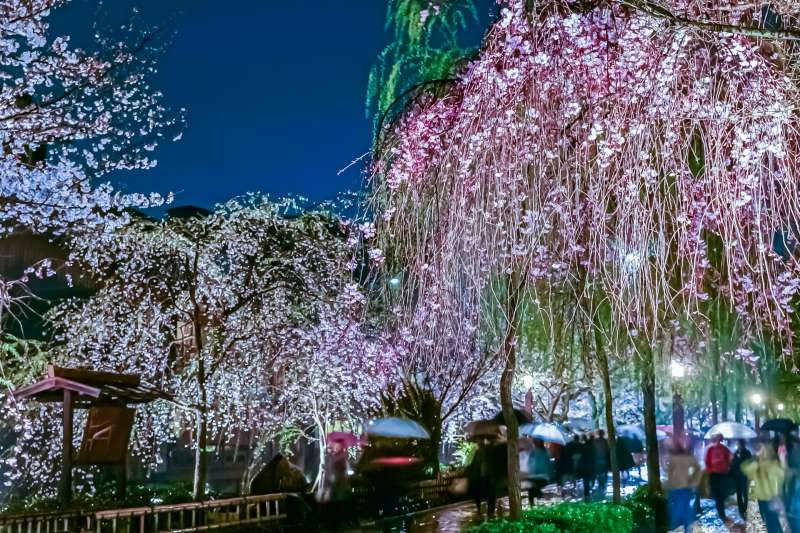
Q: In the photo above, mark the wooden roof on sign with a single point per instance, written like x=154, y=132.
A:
x=90, y=387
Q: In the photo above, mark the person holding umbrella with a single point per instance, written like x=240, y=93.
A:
x=538, y=470
x=487, y=472
x=718, y=465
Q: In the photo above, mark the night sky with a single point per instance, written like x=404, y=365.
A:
x=274, y=92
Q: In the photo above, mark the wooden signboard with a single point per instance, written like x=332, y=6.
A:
x=105, y=439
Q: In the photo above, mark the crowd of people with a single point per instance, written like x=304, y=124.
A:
x=585, y=458
x=771, y=477
x=769, y=474
x=766, y=471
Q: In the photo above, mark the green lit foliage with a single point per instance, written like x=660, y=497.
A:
x=425, y=46
x=566, y=517
x=21, y=360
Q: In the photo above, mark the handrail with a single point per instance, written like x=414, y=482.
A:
x=172, y=518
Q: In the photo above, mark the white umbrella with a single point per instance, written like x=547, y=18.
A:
x=631, y=431
x=731, y=430
x=399, y=428
x=637, y=432
x=546, y=432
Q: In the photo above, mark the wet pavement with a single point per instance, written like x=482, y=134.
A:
x=461, y=516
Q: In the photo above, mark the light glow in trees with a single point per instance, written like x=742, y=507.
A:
x=209, y=308
x=598, y=149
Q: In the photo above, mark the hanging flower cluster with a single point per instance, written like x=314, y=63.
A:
x=601, y=148
x=69, y=117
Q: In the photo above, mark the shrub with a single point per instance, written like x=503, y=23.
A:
x=566, y=518
x=656, y=505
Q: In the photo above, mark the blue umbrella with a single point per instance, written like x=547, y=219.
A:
x=399, y=428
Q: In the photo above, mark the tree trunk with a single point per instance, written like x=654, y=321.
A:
x=506, y=400
x=436, y=446
x=678, y=416
x=651, y=439
x=724, y=401
x=201, y=439
x=319, y=480
x=714, y=408
x=602, y=362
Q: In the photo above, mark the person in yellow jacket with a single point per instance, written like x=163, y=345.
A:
x=766, y=477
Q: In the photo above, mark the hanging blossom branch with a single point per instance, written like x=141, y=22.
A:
x=605, y=152
x=658, y=11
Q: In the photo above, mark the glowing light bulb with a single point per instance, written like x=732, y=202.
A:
x=677, y=369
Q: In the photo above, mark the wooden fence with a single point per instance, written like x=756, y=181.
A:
x=195, y=516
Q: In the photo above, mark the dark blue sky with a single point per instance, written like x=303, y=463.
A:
x=274, y=92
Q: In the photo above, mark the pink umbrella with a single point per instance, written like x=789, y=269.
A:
x=344, y=438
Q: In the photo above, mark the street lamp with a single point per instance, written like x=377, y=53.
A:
x=678, y=371
x=780, y=407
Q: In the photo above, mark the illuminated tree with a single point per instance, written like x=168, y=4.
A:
x=207, y=308
x=68, y=117
x=602, y=149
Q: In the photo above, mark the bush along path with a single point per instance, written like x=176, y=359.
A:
x=566, y=517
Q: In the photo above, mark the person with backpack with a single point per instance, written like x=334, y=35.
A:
x=718, y=465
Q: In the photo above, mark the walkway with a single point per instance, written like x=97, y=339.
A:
x=459, y=517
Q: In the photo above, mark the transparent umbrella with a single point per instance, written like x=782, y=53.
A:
x=632, y=431
x=399, y=428
x=731, y=430
x=545, y=431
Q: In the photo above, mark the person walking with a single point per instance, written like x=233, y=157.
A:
x=487, y=474
x=624, y=458
x=337, y=492
x=683, y=473
x=585, y=468
x=766, y=476
x=602, y=461
x=741, y=456
x=538, y=470
x=566, y=465
x=718, y=465
x=792, y=484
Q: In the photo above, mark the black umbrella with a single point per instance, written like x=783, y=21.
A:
x=780, y=425
x=631, y=444
x=483, y=429
x=522, y=417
